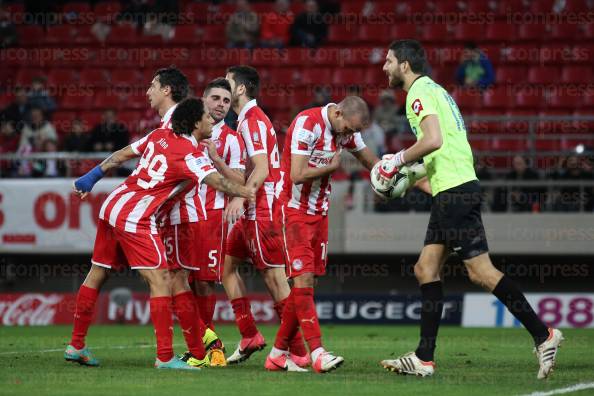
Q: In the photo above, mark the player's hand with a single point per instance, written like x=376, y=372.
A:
x=335, y=161
x=212, y=150
x=84, y=184
x=234, y=210
x=82, y=195
x=386, y=171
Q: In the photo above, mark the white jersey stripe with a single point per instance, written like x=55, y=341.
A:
x=109, y=199
x=190, y=208
x=313, y=196
x=115, y=212
x=137, y=212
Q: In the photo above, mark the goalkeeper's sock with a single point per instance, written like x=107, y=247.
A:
x=510, y=295
x=83, y=315
x=206, y=306
x=431, y=310
x=305, y=308
x=185, y=309
x=243, y=317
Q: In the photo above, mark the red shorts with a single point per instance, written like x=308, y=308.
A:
x=116, y=249
x=198, y=247
x=306, y=239
x=260, y=241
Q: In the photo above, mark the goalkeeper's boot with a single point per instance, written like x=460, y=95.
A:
x=80, y=356
x=246, y=347
x=174, y=364
x=193, y=361
x=282, y=363
x=210, y=339
x=327, y=362
x=409, y=364
x=547, y=352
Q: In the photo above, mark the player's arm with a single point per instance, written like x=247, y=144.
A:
x=235, y=208
x=235, y=175
x=366, y=157
x=218, y=182
x=423, y=185
x=84, y=184
x=431, y=141
x=301, y=172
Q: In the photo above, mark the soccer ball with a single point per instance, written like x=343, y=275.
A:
x=399, y=184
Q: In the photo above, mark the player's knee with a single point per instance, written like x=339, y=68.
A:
x=304, y=280
x=425, y=273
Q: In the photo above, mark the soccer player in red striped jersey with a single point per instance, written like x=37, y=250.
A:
x=193, y=229
x=257, y=236
x=127, y=230
x=313, y=145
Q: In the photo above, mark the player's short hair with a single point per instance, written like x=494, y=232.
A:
x=176, y=80
x=355, y=106
x=410, y=51
x=186, y=114
x=220, y=82
x=247, y=76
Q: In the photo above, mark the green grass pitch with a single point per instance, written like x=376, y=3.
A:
x=469, y=362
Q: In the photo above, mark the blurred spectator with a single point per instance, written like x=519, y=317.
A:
x=387, y=113
x=276, y=25
x=77, y=140
x=135, y=11
x=572, y=198
x=521, y=199
x=18, y=111
x=475, y=69
x=243, y=27
x=375, y=138
x=9, y=143
x=321, y=97
x=8, y=32
x=354, y=90
x=39, y=97
x=109, y=135
x=47, y=167
x=155, y=27
x=36, y=131
x=309, y=28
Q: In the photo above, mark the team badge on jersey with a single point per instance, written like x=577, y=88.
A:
x=297, y=264
x=417, y=107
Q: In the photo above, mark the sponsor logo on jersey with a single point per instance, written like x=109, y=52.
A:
x=417, y=107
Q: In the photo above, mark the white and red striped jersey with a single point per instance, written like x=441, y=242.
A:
x=167, y=164
x=231, y=149
x=260, y=138
x=166, y=119
x=311, y=134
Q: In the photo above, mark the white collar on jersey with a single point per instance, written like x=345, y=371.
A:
x=167, y=115
x=217, y=129
x=248, y=106
x=325, y=115
x=191, y=138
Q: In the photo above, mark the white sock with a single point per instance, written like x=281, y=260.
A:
x=275, y=352
x=317, y=352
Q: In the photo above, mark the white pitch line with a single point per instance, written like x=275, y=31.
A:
x=569, y=389
x=94, y=349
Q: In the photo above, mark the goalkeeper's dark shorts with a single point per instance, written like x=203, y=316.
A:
x=456, y=221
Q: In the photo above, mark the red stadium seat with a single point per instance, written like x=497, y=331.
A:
x=316, y=76
x=62, y=120
x=375, y=33
x=125, y=77
x=510, y=74
x=60, y=34
x=462, y=32
x=30, y=35
x=347, y=76
x=532, y=32
x=283, y=76
x=518, y=126
x=76, y=8
x=122, y=34
x=214, y=34
x=542, y=6
x=105, y=100
x=543, y=75
x=24, y=76
x=446, y=6
x=576, y=74
x=341, y=33
x=529, y=98
x=352, y=7
x=519, y=54
x=404, y=31
x=467, y=99
x=186, y=34
x=107, y=10
x=435, y=33
x=566, y=99
x=501, y=32
x=91, y=119
x=497, y=98
x=375, y=76
x=478, y=7
x=131, y=119
x=78, y=100
x=62, y=77
x=94, y=77
x=564, y=31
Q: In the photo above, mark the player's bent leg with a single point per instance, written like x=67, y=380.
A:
x=205, y=305
x=86, y=300
x=275, y=280
x=547, y=341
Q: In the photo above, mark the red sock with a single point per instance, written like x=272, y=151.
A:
x=192, y=327
x=206, y=306
x=243, y=317
x=293, y=337
x=83, y=315
x=308, y=318
x=162, y=319
x=289, y=326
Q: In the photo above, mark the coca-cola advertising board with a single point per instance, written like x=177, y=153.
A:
x=45, y=216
